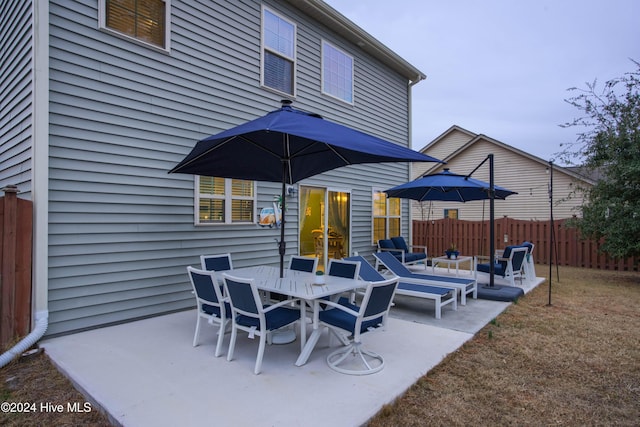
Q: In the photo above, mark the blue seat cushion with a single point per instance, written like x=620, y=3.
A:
x=498, y=268
x=388, y=244
x=343, y=301
x=276, y=318
x=416, y=287
x=414, y=256
x=212, y=309
x=346, y=321
x=400, y=243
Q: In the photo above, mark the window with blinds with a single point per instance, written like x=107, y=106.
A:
x=143, y=20
x=225, y=201
x=278, y=53
x=386, y=216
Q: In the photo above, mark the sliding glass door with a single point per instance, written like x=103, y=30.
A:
x=325, y=223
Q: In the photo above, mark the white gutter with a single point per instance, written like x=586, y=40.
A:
x=39, y=183
x=327, y=15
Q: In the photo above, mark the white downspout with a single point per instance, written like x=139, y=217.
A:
x=39, y=183
x=42, y=322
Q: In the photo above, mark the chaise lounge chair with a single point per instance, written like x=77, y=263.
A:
x=465, y=286
x=441, y=296
x=399, y=248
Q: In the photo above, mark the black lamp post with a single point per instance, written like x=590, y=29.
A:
x=551, y=231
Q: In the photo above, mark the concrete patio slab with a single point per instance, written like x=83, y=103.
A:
x=147, y=372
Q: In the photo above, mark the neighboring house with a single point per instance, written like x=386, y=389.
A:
x=99, y=102
x=514, y=169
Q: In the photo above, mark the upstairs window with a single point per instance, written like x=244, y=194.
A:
x=278, y=52
x=224, y=200
x=386, y=216
x=337, y=73
x=143, y=20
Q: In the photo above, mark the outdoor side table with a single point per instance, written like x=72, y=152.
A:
x=451, y=261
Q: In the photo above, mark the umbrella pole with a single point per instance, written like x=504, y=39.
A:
x=282, y=245
x=492, y=243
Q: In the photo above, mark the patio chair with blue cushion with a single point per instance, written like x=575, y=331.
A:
x=399, y=248
x=220, y=262
x=441, y=296
x=348, y=270
x=302, y=263
x=462, y=285
x=297, y=263
x=210, y=304
x=509, y=266
x=529, y=264
x=353, y=320
x=250, y=315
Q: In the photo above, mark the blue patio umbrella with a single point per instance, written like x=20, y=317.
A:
x=447, y=186
x=288, y=145
x=450, y=187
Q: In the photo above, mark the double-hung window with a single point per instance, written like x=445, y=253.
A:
x=278, y=53
x=386, y=216
x=337, y=73
x=225, y=200
x=147, y=21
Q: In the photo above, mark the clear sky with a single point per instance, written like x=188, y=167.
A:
x=502, y=67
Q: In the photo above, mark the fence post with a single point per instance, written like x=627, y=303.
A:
x=7, y=263
x=16, y=235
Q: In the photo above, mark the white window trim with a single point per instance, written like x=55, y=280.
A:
x=102, y=25
x=322, y=44
x=263, y=48
x=227, y=205
x=374, y=191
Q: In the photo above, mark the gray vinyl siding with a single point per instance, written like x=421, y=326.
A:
x=122, y=115
x=16, y=77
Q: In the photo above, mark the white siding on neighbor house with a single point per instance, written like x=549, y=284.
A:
x=122, y=115
x=16, y=85
x=528, y=177
x=453, y=141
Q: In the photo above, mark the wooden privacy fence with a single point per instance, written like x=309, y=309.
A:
x=472, y=238
x=15, y=266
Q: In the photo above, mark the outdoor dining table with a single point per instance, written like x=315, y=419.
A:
x=298, y=284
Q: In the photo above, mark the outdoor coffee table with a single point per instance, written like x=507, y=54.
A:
x=455, y=261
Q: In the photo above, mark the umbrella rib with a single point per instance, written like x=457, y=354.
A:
x=273, y=153
x=338, y=154
x=328, y=146
x=231, y=138
x=209, y=150
x=287, y=159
